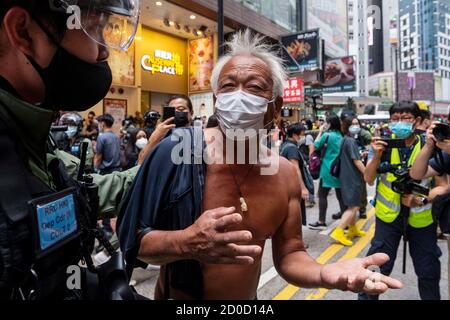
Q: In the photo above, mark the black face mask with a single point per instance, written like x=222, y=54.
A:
x=181, y=119
x=72, y=84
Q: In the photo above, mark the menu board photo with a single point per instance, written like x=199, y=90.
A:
x=304, y=50
x=339, y=76
x=201, y=64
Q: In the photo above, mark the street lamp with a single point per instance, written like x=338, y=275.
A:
x=220, y=27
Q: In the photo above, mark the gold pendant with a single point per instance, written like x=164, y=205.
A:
x=244, y=206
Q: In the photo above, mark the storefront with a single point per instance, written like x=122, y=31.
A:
x=163, y=65
x=155, y=67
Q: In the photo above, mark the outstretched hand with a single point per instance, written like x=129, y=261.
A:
x=353, y=275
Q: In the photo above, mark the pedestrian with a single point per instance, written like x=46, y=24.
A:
x=352, y=182
x=194, y=218
x=184, y=110
x=329, y=142
x=136, y=142
x=363, y=139
x=107, y=153
x=107, y=157
x=395, y=212
x=309, y=143
x=290, y=150
x=91, y=128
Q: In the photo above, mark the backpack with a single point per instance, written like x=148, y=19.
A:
x=306, y=175
x=335, y=169
x=315, y=160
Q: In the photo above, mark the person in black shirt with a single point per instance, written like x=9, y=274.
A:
x=290, y=150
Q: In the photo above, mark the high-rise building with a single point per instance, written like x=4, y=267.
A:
x=358, y=44
x=390, y=33
x=425, y=35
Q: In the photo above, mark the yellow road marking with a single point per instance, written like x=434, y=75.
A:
x=351, y=253
x=288, y=292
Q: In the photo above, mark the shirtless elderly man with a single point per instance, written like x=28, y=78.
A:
x=207, y=225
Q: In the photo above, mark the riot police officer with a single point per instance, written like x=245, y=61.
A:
x=151, y=118
x=53, y=57
x=74, y=123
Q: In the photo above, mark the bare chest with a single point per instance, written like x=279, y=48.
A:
x=265, y=201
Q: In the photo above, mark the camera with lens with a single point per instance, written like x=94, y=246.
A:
x=404, y=184
x=442, y=132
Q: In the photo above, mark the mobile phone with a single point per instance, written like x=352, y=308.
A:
x=394, y=143
x=168, y=112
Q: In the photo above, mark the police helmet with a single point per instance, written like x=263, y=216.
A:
x=71, y=119
x=152, y=115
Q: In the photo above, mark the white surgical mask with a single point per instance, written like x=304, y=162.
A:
x=71, y=131
x=141, y=143
x=241, y=110
x=354, y=129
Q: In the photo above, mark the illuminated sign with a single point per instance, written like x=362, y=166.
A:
x=163, y=62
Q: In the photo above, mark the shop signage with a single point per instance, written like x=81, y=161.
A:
x=163, y=62
x=294, y=92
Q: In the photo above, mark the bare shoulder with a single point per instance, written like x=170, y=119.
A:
x=287, y=175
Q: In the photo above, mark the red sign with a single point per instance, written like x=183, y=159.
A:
x=294, y=91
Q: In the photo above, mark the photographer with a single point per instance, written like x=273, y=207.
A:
x=392, y=208
x=44, y=67
x=431, y=164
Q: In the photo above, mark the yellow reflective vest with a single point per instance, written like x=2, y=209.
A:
x=388, y=202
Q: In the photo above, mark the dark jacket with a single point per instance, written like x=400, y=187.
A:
x=166, y=196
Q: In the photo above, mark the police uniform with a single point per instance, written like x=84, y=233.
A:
x=421, y=232
x=30, y=170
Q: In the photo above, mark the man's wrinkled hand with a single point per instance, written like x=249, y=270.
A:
x=210, y=241
x=353, y=275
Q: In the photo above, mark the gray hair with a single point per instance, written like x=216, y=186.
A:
x=244, y=43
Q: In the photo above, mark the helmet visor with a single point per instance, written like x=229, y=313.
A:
x=111, y=23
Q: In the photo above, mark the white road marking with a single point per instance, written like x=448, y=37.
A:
x=267, y=276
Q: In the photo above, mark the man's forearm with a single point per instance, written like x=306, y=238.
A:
x=301, y=270
x=370, y=173
x=163, y=247
x=420, y=166
x=359, y=165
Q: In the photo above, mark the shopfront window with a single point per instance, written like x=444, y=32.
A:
x=283, y=13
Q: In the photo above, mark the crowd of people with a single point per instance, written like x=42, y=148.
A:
x=203, y=220
x=350, y=153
